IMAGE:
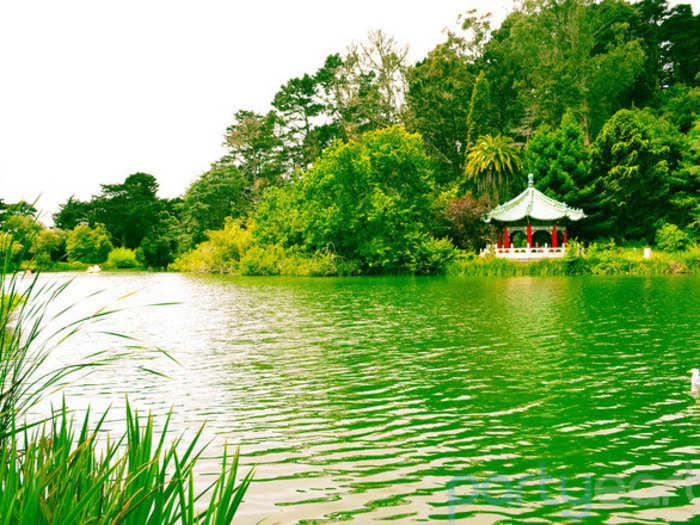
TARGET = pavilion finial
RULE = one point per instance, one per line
(530, 180)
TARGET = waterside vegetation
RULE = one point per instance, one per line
(595, 259)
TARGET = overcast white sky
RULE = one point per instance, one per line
(91, 91)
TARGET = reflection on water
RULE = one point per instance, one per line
(422, 399)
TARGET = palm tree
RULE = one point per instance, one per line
(491, 162)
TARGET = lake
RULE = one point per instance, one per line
(418, 399)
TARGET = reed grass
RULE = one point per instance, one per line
(54, 473)
(57, 474)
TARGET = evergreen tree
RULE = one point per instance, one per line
(559, 160)
(635, 164)
(479, 119)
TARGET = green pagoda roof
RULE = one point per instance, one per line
(533, 204)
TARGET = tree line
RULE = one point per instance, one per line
(385, 165)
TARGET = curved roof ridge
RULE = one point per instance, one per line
(534, 204)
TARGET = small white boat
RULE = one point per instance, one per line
(94, 269)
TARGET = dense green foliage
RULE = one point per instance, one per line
(560, 160)
(231, 250)
(216, 195)
(88, 245)
(122, 258)
(671, 238)
(368, 201)
(383, 163)
(133, 217)
(438, 100)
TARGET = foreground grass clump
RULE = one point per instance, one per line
(51, 473)
(59, 475)
(596, 259)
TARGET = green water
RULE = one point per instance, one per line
(419, 400)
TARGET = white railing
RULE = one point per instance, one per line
(545, 252)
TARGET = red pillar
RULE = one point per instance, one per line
(564, 236)
(499, 240)
(554, 236)
(507, 241)
(529, 235)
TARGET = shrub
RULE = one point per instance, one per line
(69, 266)
(275, 260)
(88, 245)
(691, 258)
(671, 238)
(465, 217)
(429, 255)
(220, 253)
(122, 258)
(262, 260)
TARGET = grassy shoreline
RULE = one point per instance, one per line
(595, 260)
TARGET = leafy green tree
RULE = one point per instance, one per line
(669, 37)
(88, 245)
(33, 241)
(491, 163)
(23, 229)
(298, 105)
(9, 210)
(129, 210)
(501, 60)
(551, 52)
(367, 200)
(679, 105)
(47, 247)
(73, 212)
(255, 145)
(685, 182)
(277, 218)
(671, 238)
(160, 246)
(217, 194)
(437, 105)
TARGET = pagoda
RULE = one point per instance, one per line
(527, 214)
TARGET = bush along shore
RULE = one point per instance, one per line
(53, 470)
